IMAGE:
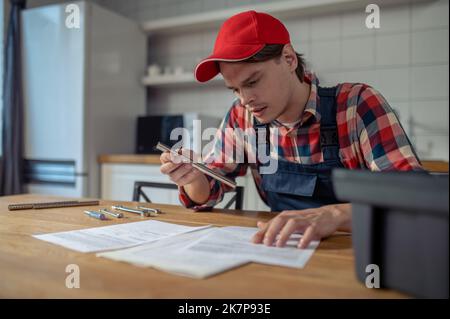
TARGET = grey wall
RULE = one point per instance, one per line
(406, 59)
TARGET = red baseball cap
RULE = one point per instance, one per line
(240, 37)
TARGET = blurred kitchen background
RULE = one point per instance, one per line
(406, 59)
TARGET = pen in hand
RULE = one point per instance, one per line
(201, 167)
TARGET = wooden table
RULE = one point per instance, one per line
(31, 268)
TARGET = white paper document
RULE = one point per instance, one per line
(116, 236)
(171, 255)
(236, 241)
(206, 252)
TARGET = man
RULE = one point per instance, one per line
(309, 131)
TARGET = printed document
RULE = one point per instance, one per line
(170, 255)
(207, 252)
(116, 236)
(236, 241)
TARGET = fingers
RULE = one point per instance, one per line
(164, 157)
(170, 162)
(177, 159)
(186, 174)
(261, 224)
(167, 156)
(182, 170)
(269, 230)
(314, 224)
(307, 237)
(293, 225)
(259, 236)
(169, 167)
(188, 177)
(274, 228)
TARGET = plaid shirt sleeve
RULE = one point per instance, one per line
(221, 161)
(383, 143)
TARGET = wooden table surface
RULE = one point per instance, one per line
(31, 268)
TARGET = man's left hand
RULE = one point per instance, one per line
(314, 223)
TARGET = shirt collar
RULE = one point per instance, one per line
(311, 105)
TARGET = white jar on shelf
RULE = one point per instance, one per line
(154, 70)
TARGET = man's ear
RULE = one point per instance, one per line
(290, 57)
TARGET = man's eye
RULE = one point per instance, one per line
(252, 83)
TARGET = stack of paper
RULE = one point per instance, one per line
(172, 255)
(116, 236)
(197, 252)
(210, 251)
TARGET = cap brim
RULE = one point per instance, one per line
(208, 68)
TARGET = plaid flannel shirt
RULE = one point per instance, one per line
(370, 137)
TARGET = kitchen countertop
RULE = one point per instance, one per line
(129, 159)
(432, 166)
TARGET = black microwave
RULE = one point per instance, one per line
(152, 129)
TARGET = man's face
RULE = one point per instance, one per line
(265, 88)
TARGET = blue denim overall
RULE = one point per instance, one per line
(297, 186)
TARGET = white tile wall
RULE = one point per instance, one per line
(364, 76)
(432, 117)
(358, 52)
(430, 81)
(326, 27)
(392, 49)
(331, 78)
(352, 22)
(431, 147)
(299, 30)
(393, 84)
(326, 54)
(430, 46)
(429, 15)
(403, 112)
(394, 19)
(406, 59)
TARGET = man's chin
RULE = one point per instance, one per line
(264, 119)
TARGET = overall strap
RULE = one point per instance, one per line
(259, 128)
(329, 138)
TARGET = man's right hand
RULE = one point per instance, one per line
(179, 172)
(184, 174)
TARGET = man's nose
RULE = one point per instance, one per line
(247, 98)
